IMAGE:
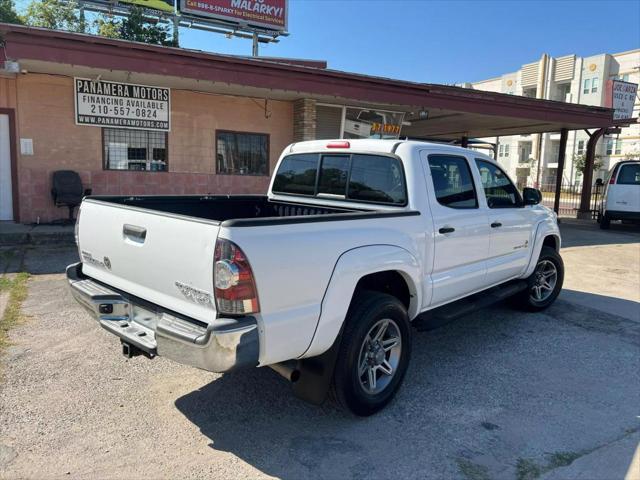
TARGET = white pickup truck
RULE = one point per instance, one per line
(322, 278)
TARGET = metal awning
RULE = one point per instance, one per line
(431, 111)
(450, 111)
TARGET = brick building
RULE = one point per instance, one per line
(139, 119)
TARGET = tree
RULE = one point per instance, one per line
(54, 14)
(8, 13)
(108, 27)
(579, 162)
(137, 28)
(63, 15)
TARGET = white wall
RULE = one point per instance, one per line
(603, 67)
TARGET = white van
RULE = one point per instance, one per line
(621, 199)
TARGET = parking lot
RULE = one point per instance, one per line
(499, 394)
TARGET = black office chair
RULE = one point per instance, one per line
(67, 190)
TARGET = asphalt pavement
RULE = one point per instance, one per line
(498, 394)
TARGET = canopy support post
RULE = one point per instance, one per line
(564, 133)
(587, 176)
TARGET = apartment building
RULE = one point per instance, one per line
(531, 158)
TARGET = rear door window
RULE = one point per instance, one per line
(452, 181)
(629, 174)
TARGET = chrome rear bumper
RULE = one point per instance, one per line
(224, 345)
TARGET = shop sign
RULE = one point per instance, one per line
(621, 97)
(268, 14)
(122, 105)
(385, 128)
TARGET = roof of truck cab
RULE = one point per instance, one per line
(372, 146)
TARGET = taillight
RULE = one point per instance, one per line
(234, 285)
(612, 180)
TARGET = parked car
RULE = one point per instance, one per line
(621, 197)
(322, 278)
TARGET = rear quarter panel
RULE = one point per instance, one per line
(293, 264)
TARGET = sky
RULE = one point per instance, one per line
(440, 41)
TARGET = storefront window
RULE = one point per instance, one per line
(239, 153)
(141, 150)
(361, 123)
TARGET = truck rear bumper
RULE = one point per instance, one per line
(226, 344)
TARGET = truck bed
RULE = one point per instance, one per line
(153, 247)
(243, 210)
(221, 208)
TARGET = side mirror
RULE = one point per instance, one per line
(599, 182)
(531, 196)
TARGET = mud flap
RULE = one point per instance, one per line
(316, 374)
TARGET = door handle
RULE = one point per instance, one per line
(496, 225)
(447, 230)
(135, 233)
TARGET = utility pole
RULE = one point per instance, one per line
(176, 31)
(254, 49)
(176, 25)
(83, 20)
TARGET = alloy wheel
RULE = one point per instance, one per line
(545, 278)
(379, 356)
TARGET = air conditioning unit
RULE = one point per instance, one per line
(10, 67)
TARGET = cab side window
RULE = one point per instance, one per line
(452, 181)
(498, 189)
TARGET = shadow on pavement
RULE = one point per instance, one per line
(481, 394)
(618, 307)
(576, 233)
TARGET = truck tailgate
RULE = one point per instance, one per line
(162, 258)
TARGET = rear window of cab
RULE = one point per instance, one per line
(355, 177)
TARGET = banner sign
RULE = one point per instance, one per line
(122, 105)
(621, 96)
(268, 14)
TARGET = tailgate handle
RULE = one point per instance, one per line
(135, 233)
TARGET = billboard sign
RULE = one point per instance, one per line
(621, 96)
(122, 105)
(267, 14)
(167, 6)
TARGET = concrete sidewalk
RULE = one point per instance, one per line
(20, 234)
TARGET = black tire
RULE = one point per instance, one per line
(366, 311)
(605, 222)
(526, 299)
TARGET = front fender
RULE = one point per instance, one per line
(547, 227)
(349, 269)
